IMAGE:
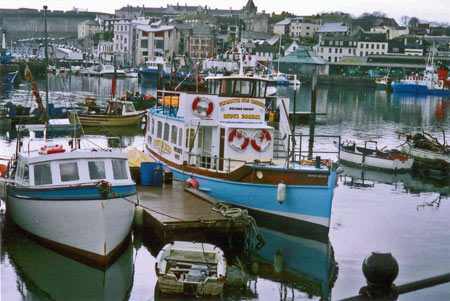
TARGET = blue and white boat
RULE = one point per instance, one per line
(220, 141)
(150, 71)
(433, 81)
(79, 201)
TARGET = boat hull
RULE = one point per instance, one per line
(9, 77)
(419, 89)
(298, 213)
(107, 120)
(425, 155)
(90, 229)
(375, 162)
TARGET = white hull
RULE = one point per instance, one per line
(375, 162)
(425, 155)
(93, 226)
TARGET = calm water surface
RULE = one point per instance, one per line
(405, 214)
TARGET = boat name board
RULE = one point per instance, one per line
(239, 110)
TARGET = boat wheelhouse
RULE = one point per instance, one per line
(220, 140)
(79, 201)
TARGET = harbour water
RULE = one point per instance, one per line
(405, 214)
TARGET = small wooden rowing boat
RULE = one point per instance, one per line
(372, 157)
(191, 268)
(117, 113)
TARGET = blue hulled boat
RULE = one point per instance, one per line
(220, 142)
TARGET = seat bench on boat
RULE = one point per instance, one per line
(190, 260)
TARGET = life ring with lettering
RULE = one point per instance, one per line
(238, 140)
(199, 80)
(261, 140)
(202, 106)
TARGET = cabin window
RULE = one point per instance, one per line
(69, 172)
(42, 174)
(243, 88)
(261, 89)
(153, 126)
(159, 130)
(26, 174)
(190, 138)
(199, 137)
(166, 131)
(19, 172)
(129, 108)
(174, 134)
(180, 137)
(119, 170)
(97, 170)
(227, 87)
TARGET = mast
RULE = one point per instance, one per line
(46, 64)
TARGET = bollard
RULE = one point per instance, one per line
(317, 161)
(380, 270)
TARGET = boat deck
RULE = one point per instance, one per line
(174, 213)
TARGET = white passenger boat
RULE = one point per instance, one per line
(372, 157)
(220, 141)
(80, 201)
(192, 268)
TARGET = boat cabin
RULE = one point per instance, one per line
(119, 107)
(221, 129)
(71, 168)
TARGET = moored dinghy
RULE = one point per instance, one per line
(389, 160)
(192, 268)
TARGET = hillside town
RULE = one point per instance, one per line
(370, 45)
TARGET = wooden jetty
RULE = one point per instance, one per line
(173, 213)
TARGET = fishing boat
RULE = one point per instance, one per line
(109, 71)
(117, 113)
(433, 81)
(78, 201)
(150, 71)
(191, 268)
(219, 141)
(383, 83)
(370, 156)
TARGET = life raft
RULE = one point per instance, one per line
(261, 140)
(51, 149)
(242, 135)
(199, 80)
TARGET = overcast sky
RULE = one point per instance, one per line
(427, 10)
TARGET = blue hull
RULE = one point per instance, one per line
(9, 78)
(305, 205)
(151, 74)
(420, 89)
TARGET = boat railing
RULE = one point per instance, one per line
(304, 149)
(214, 163)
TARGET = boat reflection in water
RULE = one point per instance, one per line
(296, 263)
(44, 274)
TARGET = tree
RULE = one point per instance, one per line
(405, 20)
(413, 22)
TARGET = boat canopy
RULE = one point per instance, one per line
(232, 86)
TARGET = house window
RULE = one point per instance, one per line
(144, 43)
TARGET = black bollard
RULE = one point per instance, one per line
(318, 162)
(380, 270)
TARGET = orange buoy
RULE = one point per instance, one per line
(192, 182)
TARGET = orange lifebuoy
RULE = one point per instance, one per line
(262, 135)
(195, 106)
(241, 134)
(198, 80)
(192, 182)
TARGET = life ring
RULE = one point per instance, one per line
(417, 82)
(199, 80)
(201, 110)
(242, 137)
(261, 140)
(52, 149)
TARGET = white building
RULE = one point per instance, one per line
(87, 29)
(333, 49)
(155, 40)
(371, 44)
(302, 27)
(391, 31)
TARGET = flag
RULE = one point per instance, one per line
(35, 91)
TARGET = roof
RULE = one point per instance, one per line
(284, 22)
(149, 28)
(332, 27)
(302, 55)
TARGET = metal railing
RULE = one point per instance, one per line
(297, 153)
(213, 163)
